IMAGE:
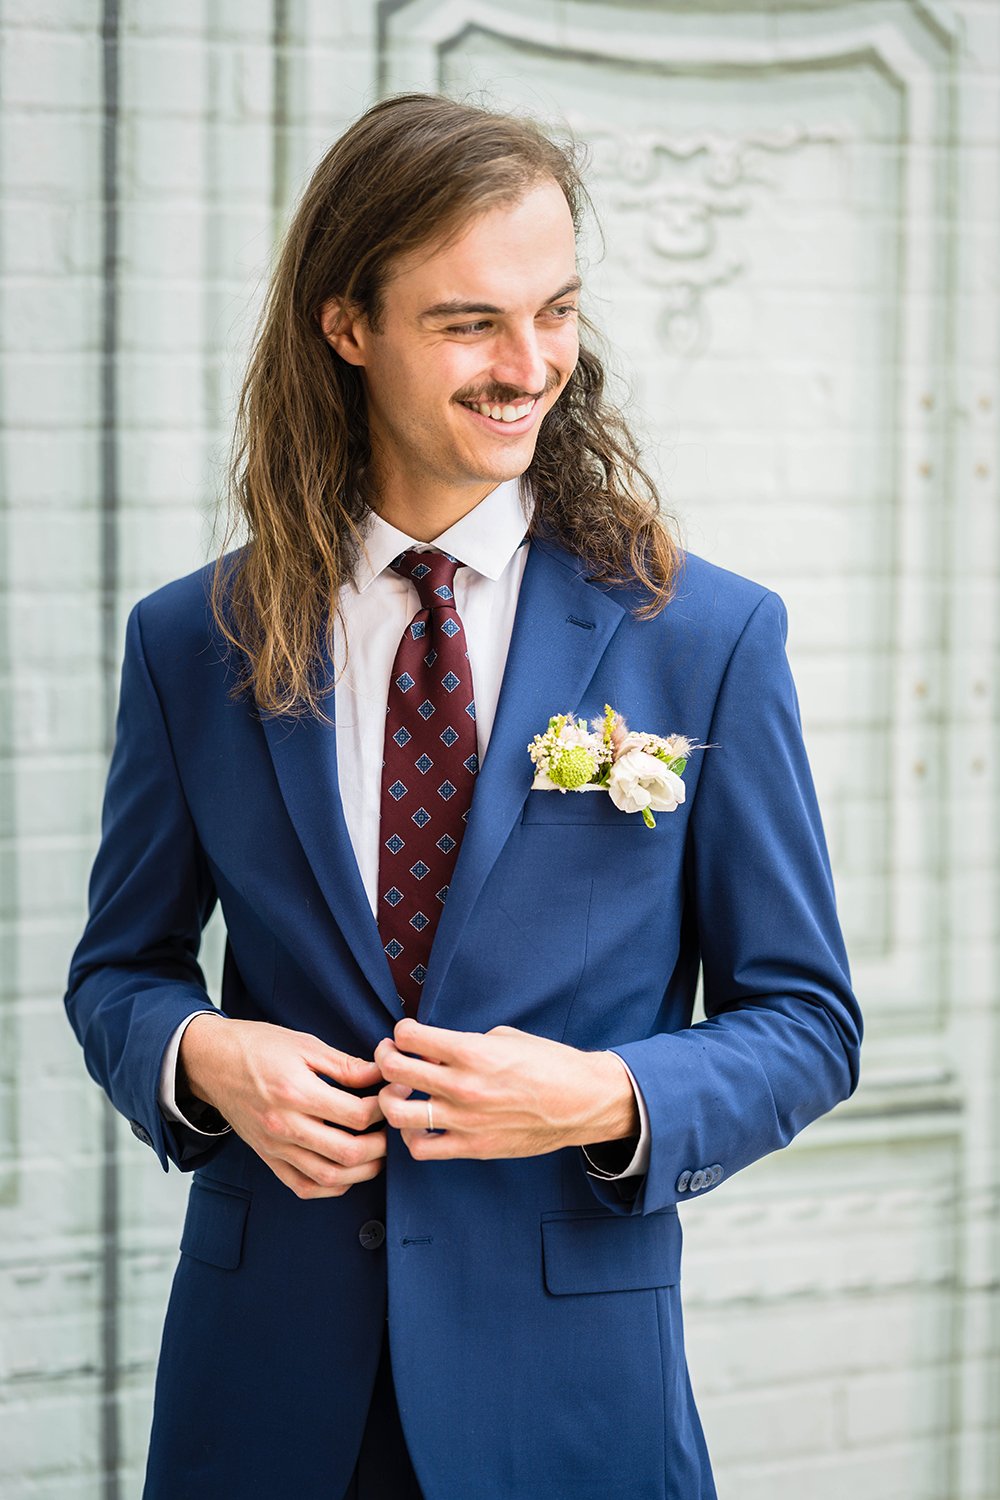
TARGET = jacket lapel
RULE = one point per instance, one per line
(304, 753)
(561, 629)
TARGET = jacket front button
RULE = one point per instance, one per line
(683, 1182)
(372, 1234)
(141, 1133)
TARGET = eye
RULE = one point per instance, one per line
(565, 308)
(467, 327)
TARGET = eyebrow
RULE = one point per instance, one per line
(457, 308)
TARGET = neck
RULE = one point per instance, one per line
(424, 513)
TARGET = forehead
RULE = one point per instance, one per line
(508, 255)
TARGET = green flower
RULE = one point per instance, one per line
(572, 768)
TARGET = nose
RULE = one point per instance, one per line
(518, 361)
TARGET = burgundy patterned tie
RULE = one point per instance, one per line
(428, 772)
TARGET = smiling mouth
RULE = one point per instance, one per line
(508, 412)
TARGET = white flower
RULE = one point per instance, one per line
(641, 781)
(675, 745)
(632, 741)
(578, 734)
(544, 783)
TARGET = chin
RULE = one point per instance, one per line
(499, 473)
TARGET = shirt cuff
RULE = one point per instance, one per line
(639, 1164)
(168, 1083)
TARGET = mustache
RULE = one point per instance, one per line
(507, 395)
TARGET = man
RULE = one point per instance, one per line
(440, 1131)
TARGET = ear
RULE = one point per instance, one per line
(345, 329)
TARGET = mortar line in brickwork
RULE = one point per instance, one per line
(280, 42)
(110, 1432)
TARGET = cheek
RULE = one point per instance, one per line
(564, 351)
(406, 393)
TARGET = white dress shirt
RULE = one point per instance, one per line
(377, 604)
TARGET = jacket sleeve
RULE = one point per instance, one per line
(134, 976)
(780, 1041)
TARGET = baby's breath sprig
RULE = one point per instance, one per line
(567, 756)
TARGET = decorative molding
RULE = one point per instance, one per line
(679, 250)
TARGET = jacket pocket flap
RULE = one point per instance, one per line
(214, 1224)
(610, 1253)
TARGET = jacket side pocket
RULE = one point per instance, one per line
(609, 1252)
(215, 1222)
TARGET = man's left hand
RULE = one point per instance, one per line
(500, 1094)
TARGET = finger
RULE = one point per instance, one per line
(435, 1042)
(328, 1174)
(338, 1146)
(324, 1101)
(292, 1178)
(414, 1072)
(352, 1072)
(424, 1147)
(411, 1114)
(310, 1177)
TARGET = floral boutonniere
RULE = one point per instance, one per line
(642, 772)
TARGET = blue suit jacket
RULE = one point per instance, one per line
(534, 1311)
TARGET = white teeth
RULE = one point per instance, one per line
(502, 413)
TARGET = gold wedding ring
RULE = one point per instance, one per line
(430, 1116)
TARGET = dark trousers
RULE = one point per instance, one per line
(383, 1471)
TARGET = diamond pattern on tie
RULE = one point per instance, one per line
(422, 814)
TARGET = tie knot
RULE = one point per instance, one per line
(433, 573)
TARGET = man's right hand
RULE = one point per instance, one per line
(268, 1083)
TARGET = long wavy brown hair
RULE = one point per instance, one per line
(411, 172)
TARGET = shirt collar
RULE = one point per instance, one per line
(486, 538)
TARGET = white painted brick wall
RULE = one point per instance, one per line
(834, 434)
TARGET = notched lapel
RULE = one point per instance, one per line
(304, 753)
(562, 628)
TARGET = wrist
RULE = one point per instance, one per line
(616, 1111)
(197, 1061)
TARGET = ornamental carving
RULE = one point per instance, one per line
(681, 190)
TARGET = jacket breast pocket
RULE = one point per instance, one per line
(215, 1223)
(586, 809)
(584, 1252)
